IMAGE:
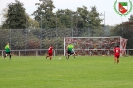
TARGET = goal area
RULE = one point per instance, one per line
(95, 45)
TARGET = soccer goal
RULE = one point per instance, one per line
(95, 45)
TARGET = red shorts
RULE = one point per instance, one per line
(116, 55)
(49, 53)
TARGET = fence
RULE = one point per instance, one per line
(28, 42)
(40, 52)
(40, 38)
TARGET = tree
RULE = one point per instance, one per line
(83, 17)
(31, 23)
(89, 20)
(44, 14)
(64, 18)
(124, 30)
(4, 15)
(16, 18)
(81, 20)
(131, 18)
(95, 22)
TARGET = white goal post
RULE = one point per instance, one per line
(95, 45)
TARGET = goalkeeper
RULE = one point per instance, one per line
(8, 52)
(70, 50)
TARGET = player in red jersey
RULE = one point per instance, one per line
(116, 54)
(50, 52)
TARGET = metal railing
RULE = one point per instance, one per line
(57, 52)
(33, 52)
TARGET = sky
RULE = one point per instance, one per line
(105, 7)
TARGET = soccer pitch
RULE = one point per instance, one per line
(79, 72)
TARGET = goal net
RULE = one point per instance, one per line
(95, 45)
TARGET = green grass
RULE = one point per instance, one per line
(79, 72)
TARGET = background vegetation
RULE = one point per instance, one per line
(48, 27)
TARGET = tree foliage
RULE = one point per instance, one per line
(55, 26)
(16, 18)
(4, 15)
(82, 18)
(31, 23)
(125, 30)
(65, 18)
(44, 14)
(131, 18)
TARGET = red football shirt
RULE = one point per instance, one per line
(50, 50)
(116, 51)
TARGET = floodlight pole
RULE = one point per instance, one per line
(104, 18)
(122, 29)
(56, 34)
(10, 37)
(103, 14)
(72, 23)
(26, 34)
(88, 31)
(41, 37)
(104, 23)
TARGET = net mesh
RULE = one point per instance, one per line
(94, 45)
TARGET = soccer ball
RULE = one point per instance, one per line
(59, 58)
